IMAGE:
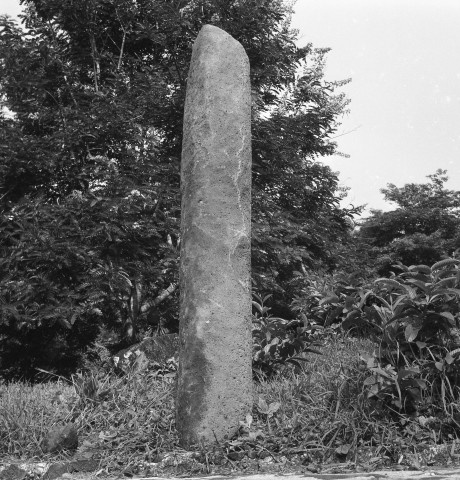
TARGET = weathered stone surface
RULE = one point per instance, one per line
(215, 381)
(155, 349)
(61, 438)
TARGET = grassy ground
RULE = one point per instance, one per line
(303, 420)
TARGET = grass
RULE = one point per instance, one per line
(25, 414)
(318, 415)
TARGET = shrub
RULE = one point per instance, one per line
(415, 316)
(337, 301)
(278, 342)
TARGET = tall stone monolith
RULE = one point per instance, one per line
(214, 390)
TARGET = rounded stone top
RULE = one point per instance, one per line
(215, 36)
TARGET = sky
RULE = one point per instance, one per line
(403, 57)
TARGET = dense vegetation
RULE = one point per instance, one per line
(92, 98)
(424, 227)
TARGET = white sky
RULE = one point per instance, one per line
(404, 60)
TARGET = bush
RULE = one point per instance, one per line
(415, 317)
(337, 301)
(56, 349)
(278, 342)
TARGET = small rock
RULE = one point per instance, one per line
(312, 468)
(61, 438)
(13, 472)
(56, 470)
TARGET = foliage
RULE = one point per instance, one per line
(62, 278)
(278, 342)
(424, 228)
(337, 300)
(131, 414)
(311, 419)
(115, 416)
(291, 190)
(414, 317)
(420, 340)
(92, 96)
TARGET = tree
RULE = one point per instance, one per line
(423, 229)
(95, 91)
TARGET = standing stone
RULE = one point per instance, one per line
(215, 377)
